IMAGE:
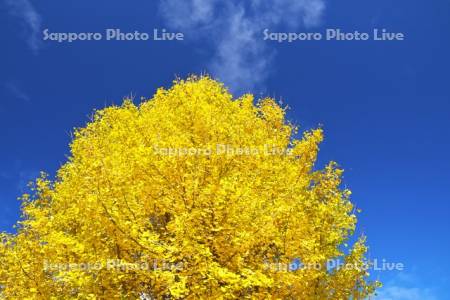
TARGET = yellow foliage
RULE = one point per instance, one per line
(189, 195)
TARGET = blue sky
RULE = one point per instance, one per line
(385, 106)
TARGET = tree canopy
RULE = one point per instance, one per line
(189, 195)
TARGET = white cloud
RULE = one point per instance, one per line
(234, 30)
(31, 21)
(189, 14)
(16, 91)
(405, 293)
(405, 286)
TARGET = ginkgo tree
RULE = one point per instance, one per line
(189, 195)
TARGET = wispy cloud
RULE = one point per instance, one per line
(30, 19)
(24, 178)
(406, 286)
(4, 175)
(18, 175)
(14, 89)
(234, 31)
(405, 293)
